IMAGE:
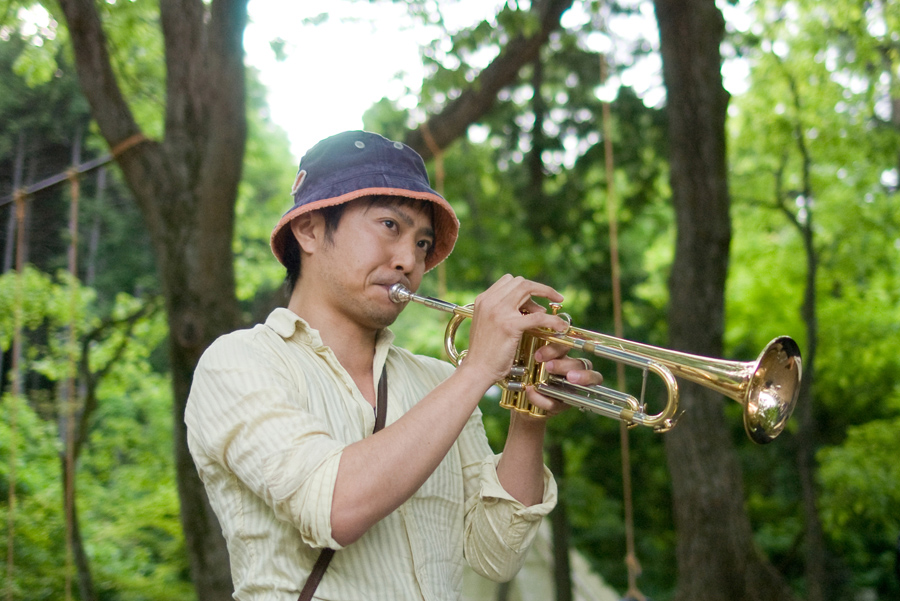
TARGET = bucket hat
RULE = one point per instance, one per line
(356, 164)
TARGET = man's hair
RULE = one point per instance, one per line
(332, 216)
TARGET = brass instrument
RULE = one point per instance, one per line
(767, 388)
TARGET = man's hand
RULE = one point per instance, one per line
(576, 371)
(502, 314)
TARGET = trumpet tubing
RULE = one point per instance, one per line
(767, 388)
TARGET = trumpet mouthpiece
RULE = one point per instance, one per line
(399, 293)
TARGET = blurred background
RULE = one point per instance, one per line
(699, 175)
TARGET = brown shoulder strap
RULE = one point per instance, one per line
(325, 556)
(381, 401)
(316, 575)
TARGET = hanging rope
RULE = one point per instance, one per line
(438, 154)
(631, 561)
(69, 400)
(18, 318)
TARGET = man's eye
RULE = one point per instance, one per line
(389, 223)
(426, 244)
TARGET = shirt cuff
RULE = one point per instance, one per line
(492, 489)
(511, 522)
(308, 505)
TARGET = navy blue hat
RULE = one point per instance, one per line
(355, 164)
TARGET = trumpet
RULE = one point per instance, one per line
(767, 388)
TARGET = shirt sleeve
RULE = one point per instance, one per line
(247, 420)
(499, 529)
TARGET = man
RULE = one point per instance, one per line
(280, 417)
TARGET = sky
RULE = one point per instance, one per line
(336, 69)
(336, 65)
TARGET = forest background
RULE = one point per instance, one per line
(806, 210)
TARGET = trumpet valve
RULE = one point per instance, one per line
(518, 372)
(514, 399)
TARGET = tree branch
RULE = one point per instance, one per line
(108, 106)
(780, 195)
(93, 378)
(95, 72)
(471, 105)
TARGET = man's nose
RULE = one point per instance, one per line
(405, 257)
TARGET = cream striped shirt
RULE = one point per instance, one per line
(269, 414)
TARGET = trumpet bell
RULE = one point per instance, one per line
(773, 390)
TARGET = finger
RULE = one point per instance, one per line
(533, 321)
(551, 406)
(521, 289)
(563, 365)
(585, 377)
(576, 370)
(549, 352)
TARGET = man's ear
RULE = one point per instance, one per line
(309, 230)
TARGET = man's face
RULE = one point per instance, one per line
(375, 246)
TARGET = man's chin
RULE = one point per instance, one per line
(385, 319)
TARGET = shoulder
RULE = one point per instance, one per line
(242, 364)
(238, 347)
(261, 343)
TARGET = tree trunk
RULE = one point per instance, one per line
(82, 565)
(815, 553)
(559, 522)
(535, 198)
(717, 559)
(185, 186)
(816, 572)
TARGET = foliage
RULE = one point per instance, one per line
(813, 144)
(47, 120)
(133, 34)
(127, 495)
(263, 196)
(130, 508)
(19, 99)
(38, 511)
(801, 81)
(861, 492)
(127, 504)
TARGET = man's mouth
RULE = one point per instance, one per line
(387, 285)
